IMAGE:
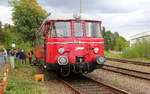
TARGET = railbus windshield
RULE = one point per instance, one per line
(78, 30)
(61, 29)
(93, 30)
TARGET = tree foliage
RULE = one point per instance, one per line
(1, 33)
(0, 25)
(3, 29)
(113, 41)
(10, 38)
(120, 43)
(27, 17)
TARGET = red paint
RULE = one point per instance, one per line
(70, 49)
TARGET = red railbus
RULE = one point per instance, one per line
(70, 43)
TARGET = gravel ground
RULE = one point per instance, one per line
(54, 86)
(133, 85)
(129, 66)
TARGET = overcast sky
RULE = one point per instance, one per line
(127, 17)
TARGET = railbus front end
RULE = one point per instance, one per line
(70, 45)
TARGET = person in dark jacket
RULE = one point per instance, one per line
(22, 56)
(17, 54)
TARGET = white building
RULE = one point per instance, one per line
(135, 38)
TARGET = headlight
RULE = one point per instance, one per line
(96, 50)
(61, 50)
(62, 60)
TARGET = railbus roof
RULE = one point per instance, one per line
(71, 16)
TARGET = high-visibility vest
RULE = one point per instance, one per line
(29, 55)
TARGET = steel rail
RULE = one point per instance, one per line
(96, 84)
(129, 61)
(76, 91)
(100, 85)
(129, 72)
(110, 86)
(46, 73)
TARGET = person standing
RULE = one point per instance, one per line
(12, 54)
(22, 56)
(30, 53)
(18, 54)
(5, 55)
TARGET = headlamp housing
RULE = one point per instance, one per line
(61, 50)
(62, 60)
(96, 50)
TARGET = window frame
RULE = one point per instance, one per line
(82, 26)
(99, 24)
(51, 30)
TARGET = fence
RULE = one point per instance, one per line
(1, 61)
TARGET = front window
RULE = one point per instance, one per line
(61, 29)
(93, 30)
(78, 31)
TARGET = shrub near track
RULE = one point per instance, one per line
(138, 50)
(21, 80)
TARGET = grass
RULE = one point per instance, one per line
(3, 70)
(21, 80)
(141, 59)
(115, 81)
(111, 55)
(120, 56)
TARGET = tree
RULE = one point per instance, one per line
(27, 17)
(6, 26)
(109, 40)
(121, 44)
(0, 26)
(113, 41)
(1, 33)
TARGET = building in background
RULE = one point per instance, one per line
(135, 38)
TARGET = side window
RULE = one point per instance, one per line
(48, 26)
(40, 38)
(78, 30)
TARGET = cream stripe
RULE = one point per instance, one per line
(74, 42)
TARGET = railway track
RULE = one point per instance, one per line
(84, 85)
(81, 84)
(129, 61)
(129, 72)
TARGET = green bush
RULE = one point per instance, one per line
(25, 46)
(138, 50)
(14, 37)
(9, 39)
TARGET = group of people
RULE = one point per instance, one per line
(20, 55)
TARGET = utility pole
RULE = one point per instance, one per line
(81, 2)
